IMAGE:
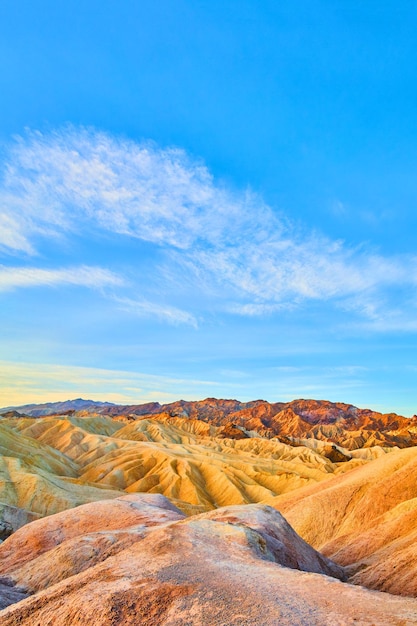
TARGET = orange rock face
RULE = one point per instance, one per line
(337, 422)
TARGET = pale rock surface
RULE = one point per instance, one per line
(221, 568)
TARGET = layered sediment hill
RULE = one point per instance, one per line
(52, 463)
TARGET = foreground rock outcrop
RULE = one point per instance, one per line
(138, 560)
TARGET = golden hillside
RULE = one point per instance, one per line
(52, 463)
(366, 520)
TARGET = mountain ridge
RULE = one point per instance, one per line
(53, 408)
(292, 422)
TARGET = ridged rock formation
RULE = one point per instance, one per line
(340, 423)
(39, 478)
(235, 566)
(53, 463)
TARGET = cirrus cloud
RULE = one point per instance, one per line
(220, 242)
(84, 276)
(60, 181)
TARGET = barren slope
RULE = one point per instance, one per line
(366, 519)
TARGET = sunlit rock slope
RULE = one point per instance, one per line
(366, 520)
(53, 463)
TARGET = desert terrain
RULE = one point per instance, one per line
(210, 512)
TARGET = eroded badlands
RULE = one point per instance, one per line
(93, 539)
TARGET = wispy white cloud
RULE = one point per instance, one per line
(256, 309)
(59, 181)
(84, 276)
(395, 312)
(219, 242)
(291, 270)
(144, 308)
(12, 235)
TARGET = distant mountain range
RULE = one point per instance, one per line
(292, 422)
(53, 408)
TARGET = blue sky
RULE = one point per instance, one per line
(208, 199)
